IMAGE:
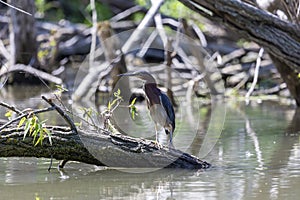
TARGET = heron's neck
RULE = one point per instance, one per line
(152, 93)
(150, 84)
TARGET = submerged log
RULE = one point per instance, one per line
(102, 149)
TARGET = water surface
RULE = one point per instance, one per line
(256, 157)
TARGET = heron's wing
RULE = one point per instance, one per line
(165, 101)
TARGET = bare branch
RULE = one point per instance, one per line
(256, 73)
(13, 108)
(62, 113)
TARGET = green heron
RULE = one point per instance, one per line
(159, 105)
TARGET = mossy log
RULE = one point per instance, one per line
(97, 148)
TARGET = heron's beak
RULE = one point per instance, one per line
(127, 74)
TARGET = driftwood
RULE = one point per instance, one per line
(97, 147)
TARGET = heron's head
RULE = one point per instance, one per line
(142, 74)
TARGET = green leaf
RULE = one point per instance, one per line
(132, 102)
(34, 134)
(78, 124)
(8, 114)
(40, 140)
(34, 125)
(109, 106)
(61, 88)
(133, 112)
(21, 122)
(27, 127)
(114, 102)
(117, 93)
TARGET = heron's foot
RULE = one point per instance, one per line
(159, 146)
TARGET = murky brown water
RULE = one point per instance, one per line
(257, 156)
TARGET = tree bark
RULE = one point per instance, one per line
(102, 149)
(22, 30)
(23, 44)
(280, 38)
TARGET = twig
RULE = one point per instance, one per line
(62, 113)
(18, 9)
(13, 108)
(256, 73)
(25, 115)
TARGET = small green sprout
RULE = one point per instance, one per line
(133, 110)
(60, 89)
(8, 114)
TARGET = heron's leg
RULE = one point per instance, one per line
(156, 137)
(171, 140)
(156, 133)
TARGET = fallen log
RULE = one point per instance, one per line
(102, 149)
(97, 146)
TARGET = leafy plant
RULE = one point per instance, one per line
(111, 106)
(88, 113)
(35, 128)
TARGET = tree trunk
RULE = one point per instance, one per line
(23, 43)
(22, 30)
(100, 149)
(280, 38)
(289, 76)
